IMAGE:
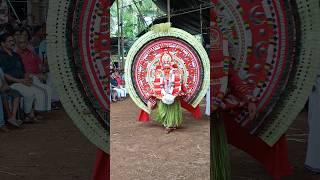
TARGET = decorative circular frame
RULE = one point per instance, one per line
(272, 46)
(173, 33)
(81, 78)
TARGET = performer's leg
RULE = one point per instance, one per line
(169, 115)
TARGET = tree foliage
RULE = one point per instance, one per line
(133, 21)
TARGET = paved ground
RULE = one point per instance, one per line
(51, 150)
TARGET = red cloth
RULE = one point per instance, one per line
(274, 159)
(30, 60)
(196, 112)
(102, 166)
(143, 116)
(119, 80)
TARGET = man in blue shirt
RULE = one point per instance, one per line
(12, 66)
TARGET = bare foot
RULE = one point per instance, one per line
(169, 130)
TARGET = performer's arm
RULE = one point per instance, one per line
(152, 101)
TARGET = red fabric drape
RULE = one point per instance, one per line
(274, 159)
(102, 166)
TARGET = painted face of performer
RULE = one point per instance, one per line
(166, 60)
(167, 70)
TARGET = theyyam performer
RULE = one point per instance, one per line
(166, 69)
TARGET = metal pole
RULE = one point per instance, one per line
(168, 10)
(140, 14)
(122, 38)
(14, 11)
(119, 29)
(201, 24)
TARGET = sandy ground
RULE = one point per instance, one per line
(51, 150)
(55, 150)
(143, 151)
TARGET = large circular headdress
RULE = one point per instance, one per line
(186, 53)
(78, 55)
(265, 58)
(271, 58)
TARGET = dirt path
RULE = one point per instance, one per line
(51, 150)
(142, 151)
(55, 150)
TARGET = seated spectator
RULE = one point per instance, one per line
(25, 34)
(30, 60)
(18, 79)
(32, 64)
(8, 94)
(113, 95)
(120, 82)
(114, 86)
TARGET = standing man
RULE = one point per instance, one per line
(313, 151)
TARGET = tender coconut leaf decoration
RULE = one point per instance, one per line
(270, 59)
(78, 55)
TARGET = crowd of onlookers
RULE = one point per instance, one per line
(118, 91)
(26, 88)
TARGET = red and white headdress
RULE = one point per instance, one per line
(166, 60)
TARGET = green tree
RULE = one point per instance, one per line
(133, 22)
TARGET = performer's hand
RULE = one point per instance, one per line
(252, 111)
(149, 105)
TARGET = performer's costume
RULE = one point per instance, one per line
(260, 79)
(167, 69)
(166, 92)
